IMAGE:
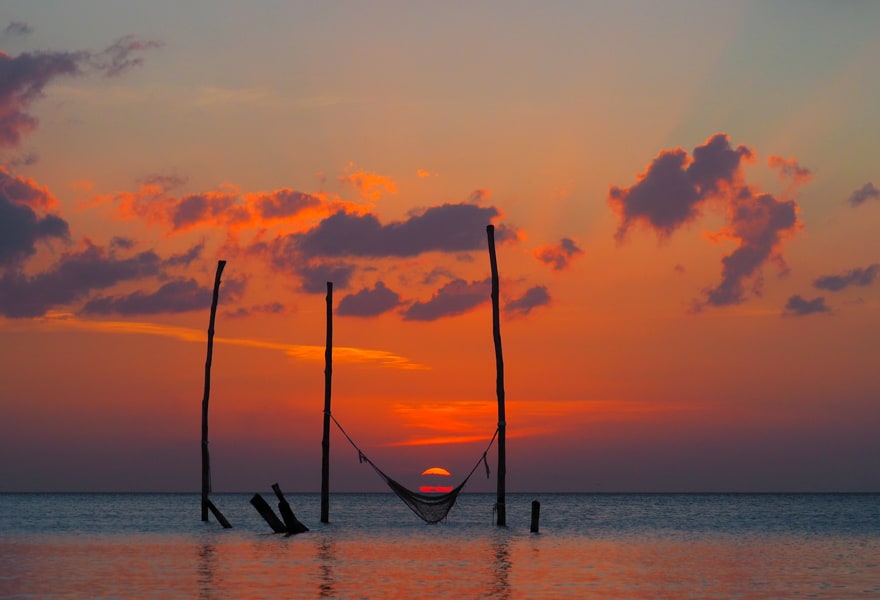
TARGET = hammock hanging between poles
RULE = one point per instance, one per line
(431, 508)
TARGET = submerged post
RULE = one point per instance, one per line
(206, 459)
(325, 442)
(499, 382)
(536, 516)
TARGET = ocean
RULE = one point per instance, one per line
(588, 546)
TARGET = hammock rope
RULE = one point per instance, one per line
(431, 508)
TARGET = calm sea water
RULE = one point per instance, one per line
(589, 546)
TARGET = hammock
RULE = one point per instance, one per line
(431, 508)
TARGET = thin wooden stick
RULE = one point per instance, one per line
(499, 384)
(206, 458)
(325, 442)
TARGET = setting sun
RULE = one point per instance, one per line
(436, 471)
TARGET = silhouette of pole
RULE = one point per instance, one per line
(499, 383)
(325, 442)
(206, 458)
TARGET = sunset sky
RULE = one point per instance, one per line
(686, 201)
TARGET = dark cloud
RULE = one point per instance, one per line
(800, 307)
(854, 277)
(186, 258)
(174, 296)
(315, 276)
(863, 194)
(759, 223)
(284, 203)
(454, 298)
(23, 78)
(674, 189)
(446, 228)
(558, 257)
(72, 278)
(121, 55)
(369, 302)
(18, 28)
(178, 295)
(122, 243)
(272, 308)
(195, 208)
(533, 298)
(668, 194)
(21, 228)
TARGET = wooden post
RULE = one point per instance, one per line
(325, 442)
(536, 516)
(292, 524)
(219, 515)
(499, 383)
(268, 514)
(206, 459)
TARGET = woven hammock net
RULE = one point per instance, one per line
(431, 508)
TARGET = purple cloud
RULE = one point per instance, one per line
(23, 78)
(185, 258)
(533, 298)
(272, 308)
(72, 278)
(854, 277)
(454, 298)
(558, 257)
(800, 307)
(175, 296)
(674, 189)
(863, 194)
(21, 228)
(178, 295)
(315, 276)
(446, 228)
(669, 193)
(194, 208)
(760, 223)
(120, 56)
(284, 203)
(369, 302)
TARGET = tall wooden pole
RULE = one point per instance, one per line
(499, 383)
(206, 459)
(325, 442)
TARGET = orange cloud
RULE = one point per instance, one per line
(342, 354)
(25, 191)
(558, 257)
(370, 185)
(790, 169)
(225, 207)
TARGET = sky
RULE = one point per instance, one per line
(685, 198)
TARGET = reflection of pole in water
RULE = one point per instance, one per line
(326, 557)
(501, 568)
(207, 564)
